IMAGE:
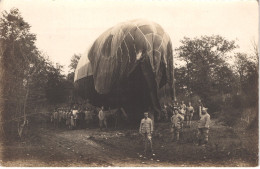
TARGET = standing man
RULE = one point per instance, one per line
(146, 129)
(56, 118)
(165, 112)
(68, 114)
(176, 126)
(189, 114)
(74, 116)
(203, 127)
(102, 118)
(183, 105)
(175, 105)
(200, 104)
(77, 118)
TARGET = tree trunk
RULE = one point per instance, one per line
(21, 127)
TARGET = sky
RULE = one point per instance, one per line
(67, 27)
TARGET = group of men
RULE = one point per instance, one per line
(181, 117)
(75, 117)
(80, 116)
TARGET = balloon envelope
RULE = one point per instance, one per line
(113, 61)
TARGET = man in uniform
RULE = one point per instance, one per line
(176, 126)
(56, 117)
(102, 118)
(189, 114)
(165, 112)
(176, 105)
(203, 127)
(146, 129)
(74, 117)
(183, 105)
(200, 106)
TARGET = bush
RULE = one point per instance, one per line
(214, 103)
(230, 115)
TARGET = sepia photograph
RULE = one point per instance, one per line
(134, 83)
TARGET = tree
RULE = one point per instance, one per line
(25, 74)
(225, 80)
(74, 62)
(70, 77)
(57, 87)
(247, 71)
(181, 83)
(18, 63)
(205, 60)
(73, 65)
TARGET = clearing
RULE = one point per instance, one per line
(47, 146)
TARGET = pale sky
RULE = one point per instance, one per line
(65, 27)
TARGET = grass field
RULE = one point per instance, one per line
(47, 146)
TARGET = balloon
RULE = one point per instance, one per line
(126, 66)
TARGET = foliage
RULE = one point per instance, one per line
(73, 65)
(208, 75)
(57, 87)
(70, 77)
(205, 63)
(247, 71)
(74, 62)
(27, 77)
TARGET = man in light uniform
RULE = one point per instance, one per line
(75, 116)
(56, 118)
(176, 126)
(102, 118)
(146, 129)
(183, 105)
(189, 114)
(200, 104)
(203, 127)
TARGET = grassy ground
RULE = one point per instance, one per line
(47, 146)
